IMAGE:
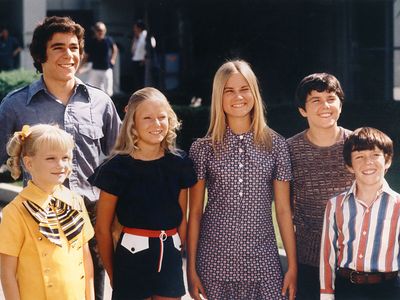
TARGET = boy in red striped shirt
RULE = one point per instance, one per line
(360, 239)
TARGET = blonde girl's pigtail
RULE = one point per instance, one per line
(14, 150)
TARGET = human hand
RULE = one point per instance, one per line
(195, 287)
(290, 284)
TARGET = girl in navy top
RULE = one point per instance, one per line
(144, 184)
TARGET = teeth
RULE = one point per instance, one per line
(368, 172)
(325, 115)
(156, 132)
(238, 105)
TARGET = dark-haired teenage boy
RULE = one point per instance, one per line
(58, 97)
(360, 240)
(319, 171)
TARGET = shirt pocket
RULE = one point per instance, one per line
(177, 241)
(135, 243)
(90, 131)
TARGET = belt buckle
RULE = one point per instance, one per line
(353, 273)
(163, 235)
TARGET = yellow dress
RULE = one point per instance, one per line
(44, 270)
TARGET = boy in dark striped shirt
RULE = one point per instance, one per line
(319, 171)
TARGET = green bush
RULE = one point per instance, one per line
(11, 80)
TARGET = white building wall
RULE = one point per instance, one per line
(33, 11)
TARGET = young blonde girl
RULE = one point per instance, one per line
(145, 185)
(45, 230)
(232, 252)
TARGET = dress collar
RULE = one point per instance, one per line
(33, 193)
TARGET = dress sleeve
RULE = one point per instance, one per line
(198, 154)
(283, 166)
(107, 176)
(188, 175)
(11, 231)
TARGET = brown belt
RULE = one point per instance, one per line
(356, 277)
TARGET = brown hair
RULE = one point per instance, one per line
(319, 82)
(367, 138)
(45, 31)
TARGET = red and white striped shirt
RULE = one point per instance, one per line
(359, 237)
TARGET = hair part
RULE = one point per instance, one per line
(367, 138)
(127, 140)
(218, 120)
(320, 82)
(44, 32)
(42, 136)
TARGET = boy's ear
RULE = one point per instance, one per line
(351, 170)
(303, 112)
(388, 164)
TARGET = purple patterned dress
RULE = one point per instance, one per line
(237, 256)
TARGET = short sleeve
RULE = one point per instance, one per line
(88, 231)
(283, 167)
(11, 231)
(199, 154)
(107, 176)
(188, 175)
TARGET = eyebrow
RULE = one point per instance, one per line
(62, 44)
(231, 88)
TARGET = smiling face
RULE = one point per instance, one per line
(369, 167)
(237, 99)
(49, 167)
(151, 123)
(63, 58)
(322, 109)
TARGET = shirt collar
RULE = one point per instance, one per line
(40, 85)
(385, 189)
(33, 193)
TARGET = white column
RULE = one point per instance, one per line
(33, 12)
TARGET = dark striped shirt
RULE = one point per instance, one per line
(319, 173)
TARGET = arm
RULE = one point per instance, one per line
(8, 120)
(114, 54)
(284, 218)
(327, 264)
(9, 282)
(182, 229)
(196, 204)
(105, 217)
(88, 265)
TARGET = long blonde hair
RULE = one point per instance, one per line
(218, 122)
(28, 141)
(127, 140)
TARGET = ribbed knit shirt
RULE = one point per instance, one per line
(319, 173)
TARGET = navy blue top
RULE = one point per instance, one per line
(147, 191)
(100, 52)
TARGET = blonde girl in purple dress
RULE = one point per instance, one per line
(232, 251)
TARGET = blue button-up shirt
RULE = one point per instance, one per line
(89, 116)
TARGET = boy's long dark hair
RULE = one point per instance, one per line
(45, 31)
